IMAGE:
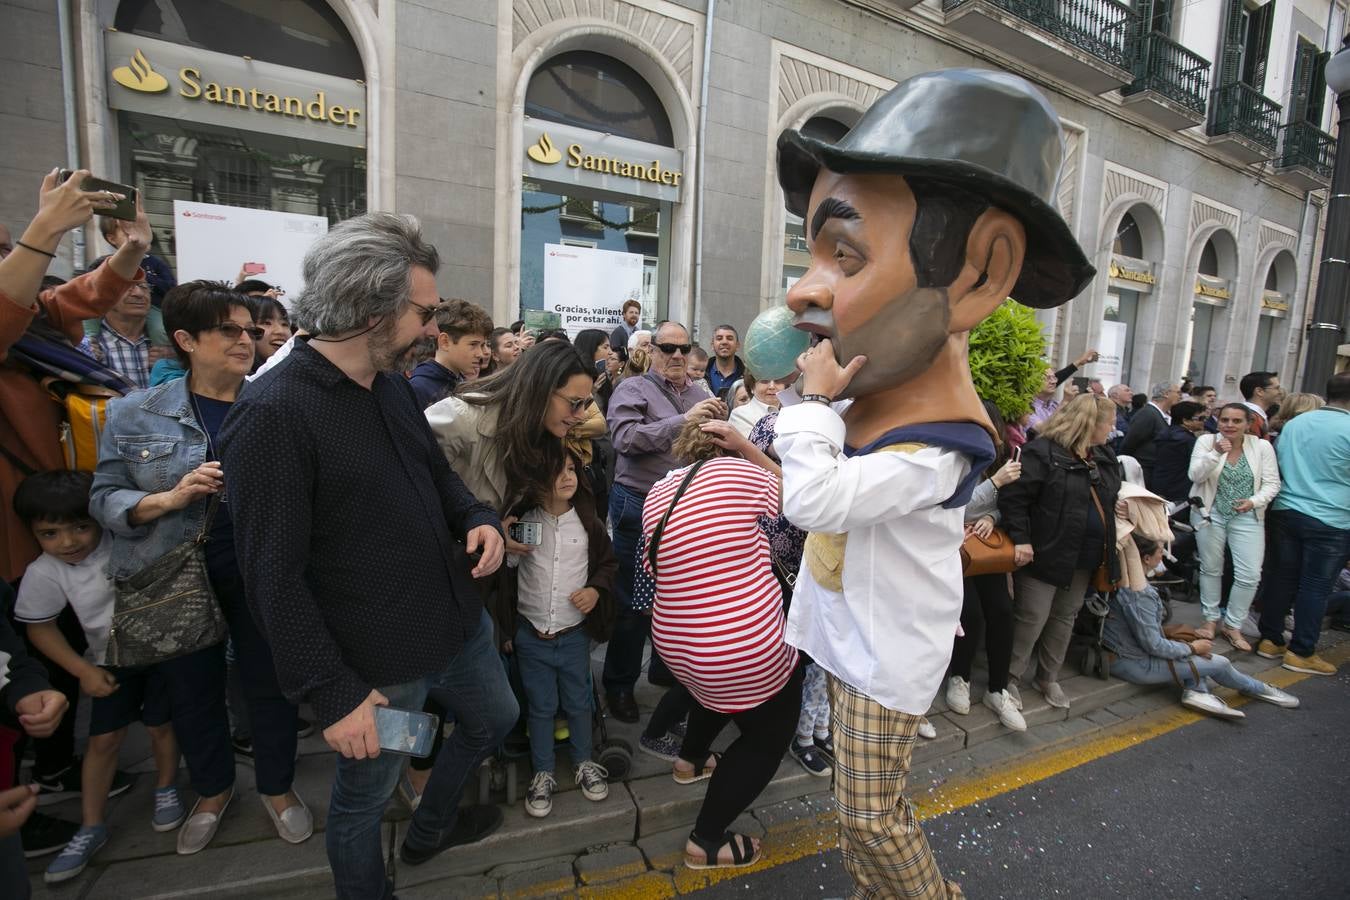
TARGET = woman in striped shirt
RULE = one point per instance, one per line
(718, 624)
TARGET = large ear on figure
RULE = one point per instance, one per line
(994, 252)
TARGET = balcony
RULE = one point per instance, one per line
(1082, 42)
(1246, 125)
(1171, 84)
(1306, 156)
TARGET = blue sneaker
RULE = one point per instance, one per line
(169, 810)
(666, 747)
(82, 847)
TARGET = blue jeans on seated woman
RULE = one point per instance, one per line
(553, 669)
(1155, 670)
(473, 686)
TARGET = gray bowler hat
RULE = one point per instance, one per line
(990, 133)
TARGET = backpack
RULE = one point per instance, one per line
(81, 384)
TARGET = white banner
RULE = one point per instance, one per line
(216, 242)
(588, 287)
(1111, 347)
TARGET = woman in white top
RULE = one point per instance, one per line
(763, 400)
(1235, 475)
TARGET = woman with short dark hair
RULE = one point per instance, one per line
(156, 486)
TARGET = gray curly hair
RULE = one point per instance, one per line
(361, 269)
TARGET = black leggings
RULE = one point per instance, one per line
(986, 603)
(751, 760)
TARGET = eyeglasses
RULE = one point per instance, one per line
(575, 404)
(669, 349)
(426, 312)
(230, 331)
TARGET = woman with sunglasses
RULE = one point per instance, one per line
(156, 486)
(1060, 516)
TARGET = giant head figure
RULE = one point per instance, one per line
(936, 207)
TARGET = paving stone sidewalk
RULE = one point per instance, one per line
(630, 845)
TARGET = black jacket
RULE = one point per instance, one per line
(1171, 478)
(1141, 437)
(1048, 508)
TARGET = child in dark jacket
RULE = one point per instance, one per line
(564, 596)
(1144, 655)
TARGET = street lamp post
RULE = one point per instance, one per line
(1328, 327)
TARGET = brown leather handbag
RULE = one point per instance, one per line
(987, 556)
(1102, 582)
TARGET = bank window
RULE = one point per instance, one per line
(233, 179)
(303, 34)
(595, 91)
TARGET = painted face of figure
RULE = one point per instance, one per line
(860, 290)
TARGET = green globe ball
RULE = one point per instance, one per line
(772, 345)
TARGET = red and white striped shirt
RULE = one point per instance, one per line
(718, 618)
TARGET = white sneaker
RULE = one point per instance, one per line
(1015, 694)
(590, 777)
(1205, 702)
(1003, 707)
(926, 730)
(958, 695)
(1274, 695)
(539, 797)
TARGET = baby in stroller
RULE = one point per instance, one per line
(1142, 654)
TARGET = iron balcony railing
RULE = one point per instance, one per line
(1098, 27)
(1241, 109)
(1309, 146)
(1165, 67)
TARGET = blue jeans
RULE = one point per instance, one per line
(1309, 554)
(623, 656)
(1155, 670)
(550, 670)
(1245, 538)
(13, 869)
(473, 686)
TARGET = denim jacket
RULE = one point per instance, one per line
(150, 441)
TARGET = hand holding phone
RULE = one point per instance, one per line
(410, 732)
(528, 533)
(117, 201)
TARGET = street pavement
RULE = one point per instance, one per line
(1254, 809)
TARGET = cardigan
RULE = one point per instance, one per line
(1207, 463)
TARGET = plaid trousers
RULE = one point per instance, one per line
(884, 848)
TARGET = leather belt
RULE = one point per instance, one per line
(557, 634)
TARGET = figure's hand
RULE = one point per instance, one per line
(1009, 472)
(821, 374)
(725, 435)
(706, 411)
(585, 599)
(203, 481)
(41, 711)
(98, 682)
(982, 527)
(1243, 506)
(514, 547)
(1022, 554)
(489, 541)
(1202, 647)
(16, 805)
(354, 735)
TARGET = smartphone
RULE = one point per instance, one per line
(255, 268)
(407, 731)
(125, 208)
(1017, 454)
(531, 533)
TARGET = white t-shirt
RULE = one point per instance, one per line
(49, 584)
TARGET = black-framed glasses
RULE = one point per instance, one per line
(575, 404)
(426, 312)
(231, 331)
(669, 349)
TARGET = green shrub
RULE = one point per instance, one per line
(1007, 359)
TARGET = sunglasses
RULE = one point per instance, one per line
(230, 331)
(427, 313)
(576, 404)
(669, 349)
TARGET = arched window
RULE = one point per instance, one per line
(595, 91)
(1209, 259)
(1128, 241)
(302, 34)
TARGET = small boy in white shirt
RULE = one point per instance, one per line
(73, 570)
(565, 594)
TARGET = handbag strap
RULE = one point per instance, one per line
(661, 525)
(1102, 515)
(211, 506)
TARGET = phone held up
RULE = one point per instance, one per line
(125, 208)
(406, 731)
(531, 533)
